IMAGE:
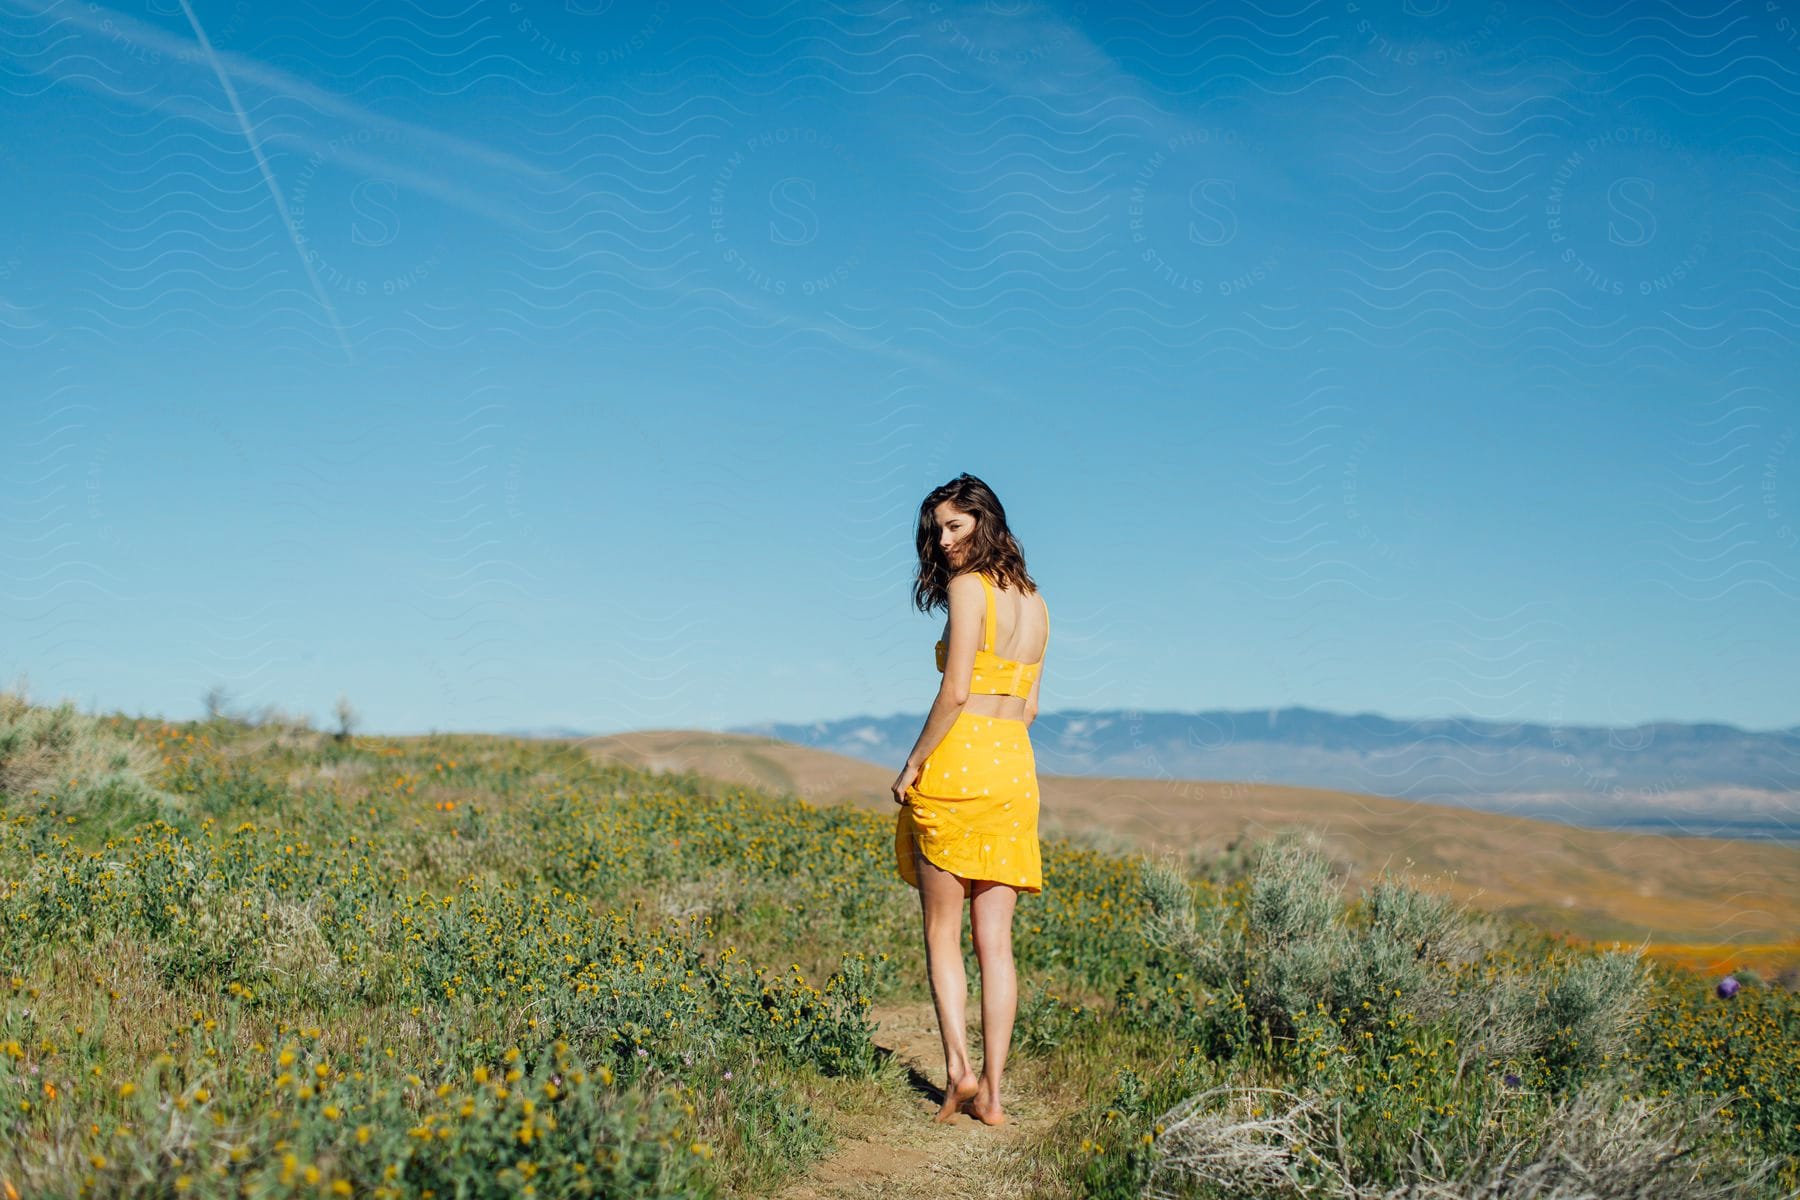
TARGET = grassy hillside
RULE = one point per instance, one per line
(1713, 903)
(261, 961)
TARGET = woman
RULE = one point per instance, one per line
(968, 823)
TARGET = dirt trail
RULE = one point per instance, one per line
(915, 1157)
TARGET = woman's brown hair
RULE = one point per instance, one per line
(992, 547)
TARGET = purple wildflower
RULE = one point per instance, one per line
(1511, 1080)
(1728, 987)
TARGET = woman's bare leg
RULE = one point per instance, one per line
(941, 904)
(991, 919)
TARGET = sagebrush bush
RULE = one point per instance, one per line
(1398, 952)
(95, 775)
(1405, 988)
(1404, 943)
(1596, 1143)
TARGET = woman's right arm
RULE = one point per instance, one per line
(968, 608)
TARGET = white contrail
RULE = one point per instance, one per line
(120, 24)
(269, 178)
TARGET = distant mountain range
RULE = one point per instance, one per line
(1694, 780)
(1707, 778)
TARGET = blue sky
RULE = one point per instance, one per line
(584, 363)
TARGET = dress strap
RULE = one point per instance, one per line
(987, 592)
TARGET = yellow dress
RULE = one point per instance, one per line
(973, 811)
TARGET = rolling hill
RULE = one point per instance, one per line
(1695, 891)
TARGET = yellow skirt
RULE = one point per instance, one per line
(973, 811)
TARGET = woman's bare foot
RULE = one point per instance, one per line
(959, 1093)
(988, 1112)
